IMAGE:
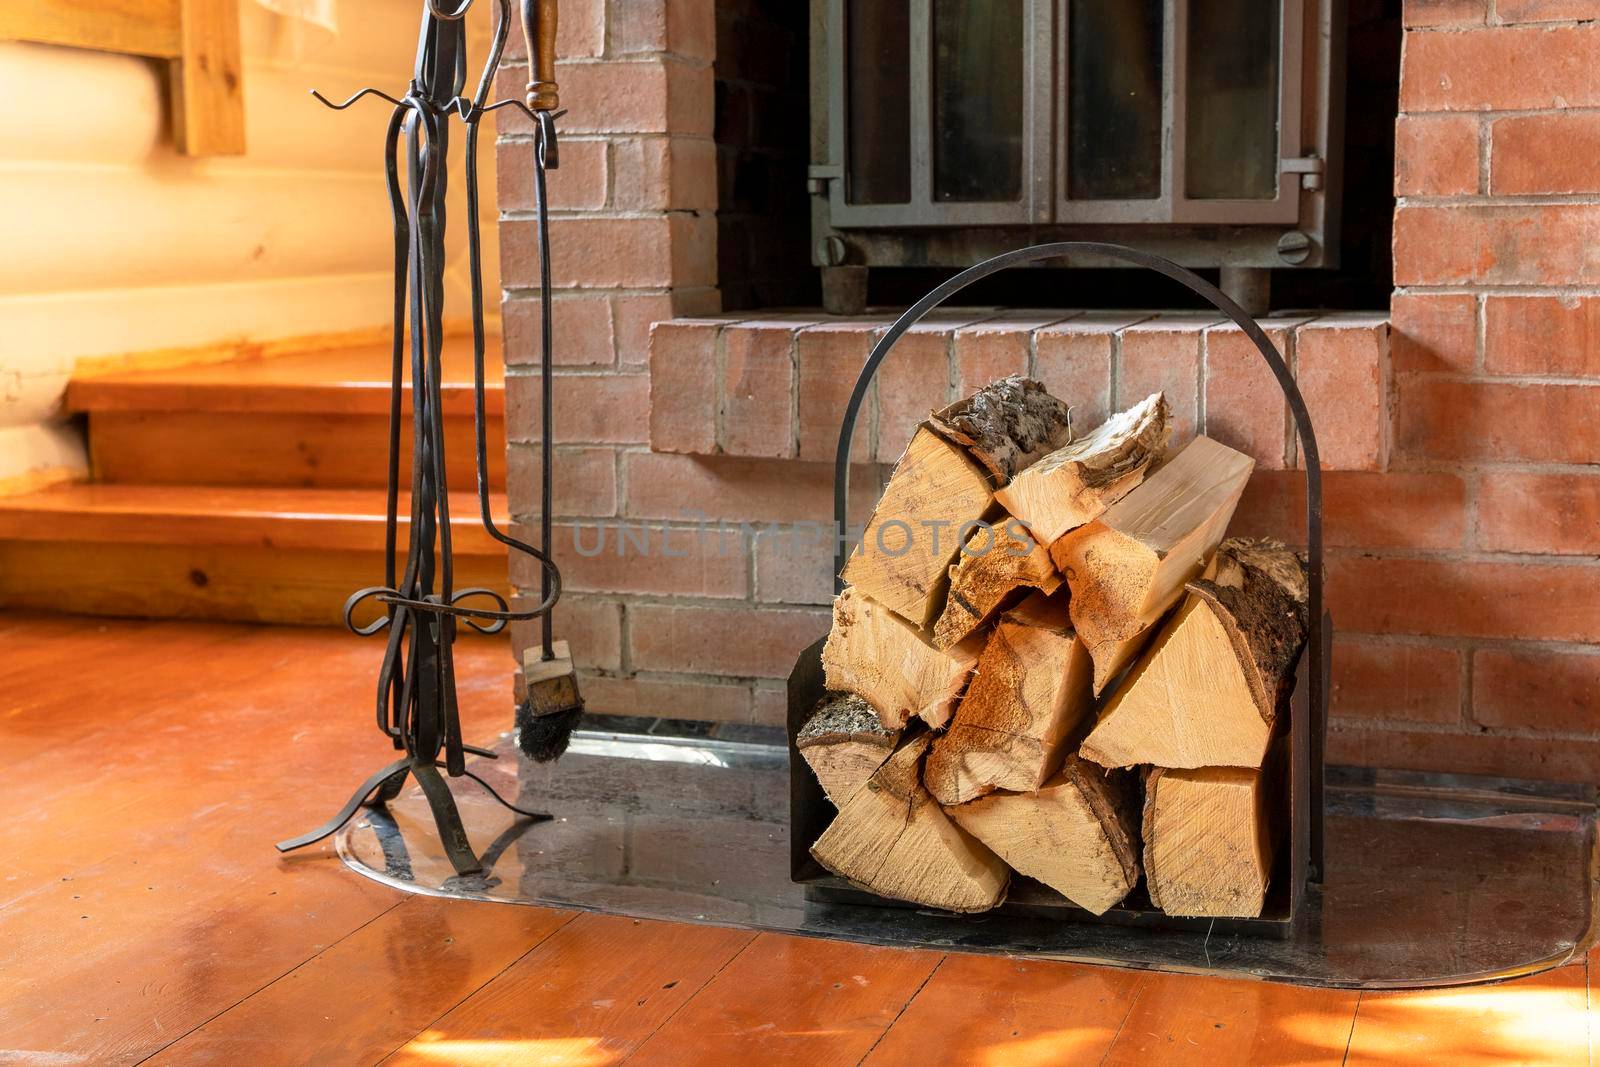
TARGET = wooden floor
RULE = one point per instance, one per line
(145, 916)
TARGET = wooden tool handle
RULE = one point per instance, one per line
(539, 27)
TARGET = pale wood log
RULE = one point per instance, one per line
(1007, 425)
(904, 557)
(1128, 567)
(893, 839)
(1210, 837)
(1075, 484)
(998, 565)
(1078, 834)
(1027, 705)
(880, 657)
(1207, 693)
(844, 742)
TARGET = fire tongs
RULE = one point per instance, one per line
(416, 698)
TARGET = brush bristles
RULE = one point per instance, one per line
(543, 738)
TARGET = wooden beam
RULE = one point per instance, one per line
(128, 27)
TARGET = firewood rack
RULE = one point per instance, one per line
(1294, 867)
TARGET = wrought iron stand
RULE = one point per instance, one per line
(416, 692)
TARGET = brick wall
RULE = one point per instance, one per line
(1463, 508)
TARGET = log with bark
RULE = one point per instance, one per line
(999, 565)
(1209, 690)
(1079, 834)
(1075, 484)
(878, 656)
(844, 742)
(892, 838)
(944, 482)
(1129, 567)
(1027, 704)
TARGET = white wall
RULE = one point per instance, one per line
(115, 244)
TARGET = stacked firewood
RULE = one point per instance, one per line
(1048, 660)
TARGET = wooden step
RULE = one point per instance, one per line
(250, 554)
(313, 419)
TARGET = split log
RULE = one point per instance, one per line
(1210, 836)
(1128, 567)
(1078, 834)
(891, 838)
(844, 742)
(944, 482)
(1074, 485)
(1209, 690)
(883, 659)
(1027, 705)
(1007, 425)
(998, 565)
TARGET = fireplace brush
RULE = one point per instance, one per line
(416, 692)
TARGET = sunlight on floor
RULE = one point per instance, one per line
(1541, 1020)
(433, 1047)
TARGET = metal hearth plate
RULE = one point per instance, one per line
(1432, 879)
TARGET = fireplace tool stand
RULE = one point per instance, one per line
(416, 691)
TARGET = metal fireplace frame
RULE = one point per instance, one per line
(1295, 866)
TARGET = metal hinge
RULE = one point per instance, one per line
(1310, 169)
(818, 175)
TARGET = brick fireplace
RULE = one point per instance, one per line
(1457, 425)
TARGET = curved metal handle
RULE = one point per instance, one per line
(1316, 648)
(539, 29)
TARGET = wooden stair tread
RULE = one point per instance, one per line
(352, 380)
(267, 516)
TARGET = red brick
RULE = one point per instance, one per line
(995, 348)
(592, 626)
(1533, 154)
(1536, 602)
(637, 312)
(1073, 360)
(683, 404)
(683, 27)
(1496, 421)
(579, 184)
(794, 565)
(1504, 68)
(758, 390)
(1376, 678)
(1558, 336)
(661, 486)
(1429, 332)
(581, 332)
(1547, 244)
(638, 559)
(1245, 406)
(1546, 10)
(1436, 155)
(1163, 355)
(1536, 689)
(1550, 759)
(1421, 13)
(654, 95)
(771, 705)
(830, 357)
(580, 31)
(741, 642)
(1359, 509)
(585, 481)
(670, 698)
(665, 174)
(598, 252)
(913, 381)
(589, 408)
(1548, 514)
(1342, 367)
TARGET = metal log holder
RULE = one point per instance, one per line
(809, 809)
(416, 691)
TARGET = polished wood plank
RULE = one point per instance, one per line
(1542, 1020)
(792, 1000)
(987, 1010)
(361, 998)
(1189, 1019)
(589, 995)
